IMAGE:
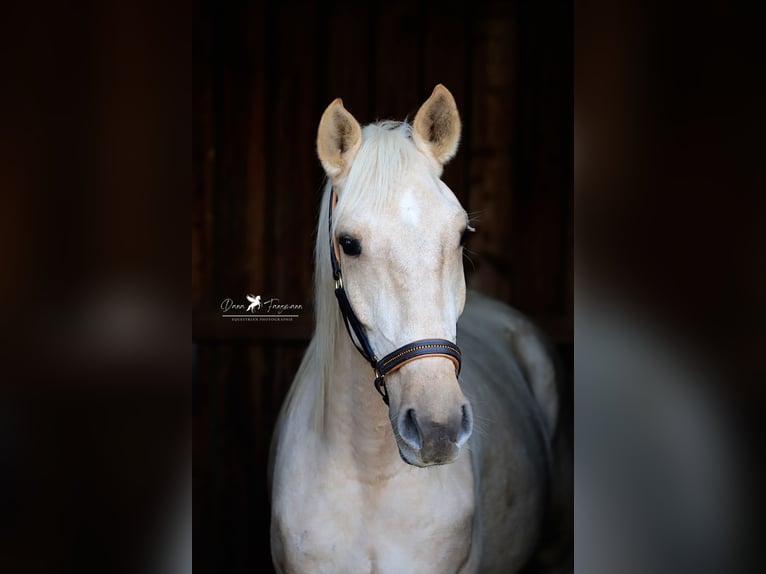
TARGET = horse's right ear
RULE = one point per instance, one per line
(338, 139)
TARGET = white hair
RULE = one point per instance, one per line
(386, 154)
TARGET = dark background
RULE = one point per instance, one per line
(263, 74)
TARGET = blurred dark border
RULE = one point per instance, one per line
(95, 108)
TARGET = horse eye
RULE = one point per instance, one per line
(464, 234)
(350, 245)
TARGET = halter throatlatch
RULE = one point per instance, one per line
(397, 358)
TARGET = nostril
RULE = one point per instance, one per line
(409, 430)
(466, 425)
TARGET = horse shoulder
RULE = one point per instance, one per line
(510, 377)
(314, 505)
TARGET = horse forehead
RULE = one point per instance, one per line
(421, 204)
(409, 207)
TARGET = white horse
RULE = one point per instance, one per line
(361, 487)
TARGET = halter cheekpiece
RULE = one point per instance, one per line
(397, 358)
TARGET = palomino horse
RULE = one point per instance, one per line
(446, 474)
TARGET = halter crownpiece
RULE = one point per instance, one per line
(395, 359)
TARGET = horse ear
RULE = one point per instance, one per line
(338, 139)
(437, 126)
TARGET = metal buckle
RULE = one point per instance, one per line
(339, 281)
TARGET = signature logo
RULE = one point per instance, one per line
(256, 309)
(255, 302)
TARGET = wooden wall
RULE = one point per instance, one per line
(263, 74)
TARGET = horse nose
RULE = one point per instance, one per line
(436, 442)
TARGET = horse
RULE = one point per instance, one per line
(448, 473)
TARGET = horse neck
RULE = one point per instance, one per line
(357, 427)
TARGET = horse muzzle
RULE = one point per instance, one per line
(426, 442)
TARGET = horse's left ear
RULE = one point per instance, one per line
(437, 126)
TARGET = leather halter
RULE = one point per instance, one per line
(397, 358)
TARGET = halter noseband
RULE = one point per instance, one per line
(395, 359)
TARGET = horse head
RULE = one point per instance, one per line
(399, 233)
